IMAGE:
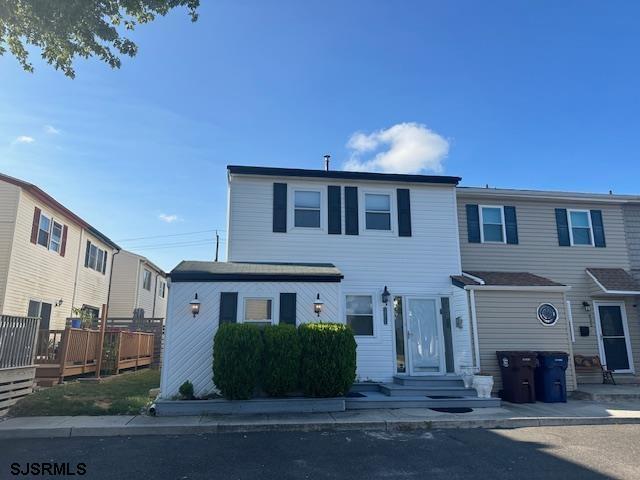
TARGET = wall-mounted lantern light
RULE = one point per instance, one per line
(317, 305)
(587, 306)
(385, 295)
(59, 303)
(195, 306)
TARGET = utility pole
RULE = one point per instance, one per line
(217, 244)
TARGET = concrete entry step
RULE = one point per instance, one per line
(607, 393)
(394, 390)
(439, 381)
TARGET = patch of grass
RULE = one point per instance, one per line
(124, 395)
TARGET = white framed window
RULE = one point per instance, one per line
(580, 228)
(56, 237)
(258, 311)
(93, 257)
(306, 208)
(492, 226)
(44, 229)
(359, 312)
(377, 207)
(161, 289)
(96, 258)
(146, 280)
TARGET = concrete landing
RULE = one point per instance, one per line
(608, 393)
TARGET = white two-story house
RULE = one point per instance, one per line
(376, 250)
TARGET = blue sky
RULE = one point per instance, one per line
(514, 94)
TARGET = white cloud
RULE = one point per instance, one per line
(168, 218)
(24, 139)
(402, 148)
(50, 129)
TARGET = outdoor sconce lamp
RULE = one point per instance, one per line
(195, 306)
(317, 305)
(59, 303)
(385, 295)
(587, 306)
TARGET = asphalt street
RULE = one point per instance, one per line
(591, 452)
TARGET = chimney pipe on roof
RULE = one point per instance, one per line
(327, 157)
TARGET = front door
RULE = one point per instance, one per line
(613, 336)
(424, 334)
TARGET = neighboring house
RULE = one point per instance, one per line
(138, 287)
(552, 271)
(51, 260)
(297, 237)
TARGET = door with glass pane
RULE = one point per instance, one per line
(613, 336)
(424, 335)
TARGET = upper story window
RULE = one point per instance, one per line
(161, 289)
(359, 310)
(307, 209)
(258, 311)
(95, 258)
(44, 230)
(56, 237)
(146, 280)
(492, 222)
(580, 228)
(48, 233)
(377, 211)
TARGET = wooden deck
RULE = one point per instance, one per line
(74, 351)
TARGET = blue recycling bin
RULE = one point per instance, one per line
(550, 377)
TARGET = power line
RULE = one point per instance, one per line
(186, 242)
(171, 235)
(195, 244)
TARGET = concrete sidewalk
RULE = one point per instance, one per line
(575, 412)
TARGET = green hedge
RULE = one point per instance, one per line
(328, 365)
(281, 360)
(237, 359)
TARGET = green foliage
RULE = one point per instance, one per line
(186, 390)
(65, 29)
(328, 366)
(237, 358)
(281, 361)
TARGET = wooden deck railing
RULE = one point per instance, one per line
(74, 351)
(18, 336)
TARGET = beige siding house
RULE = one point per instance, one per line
(139, 288)
(577, 245)
(51, 260)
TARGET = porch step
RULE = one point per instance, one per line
(395, 390)
(439, 381)
(372, 401)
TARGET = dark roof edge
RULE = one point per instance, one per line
(54, 204)
(250, 277)
(341, 174)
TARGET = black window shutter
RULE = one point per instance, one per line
(228, 307)
(511, 225)
(351, 210)
(86, 254)
(473, 223)
(288, 308)
(404, 212)
(279, 207)
(334, 209)
(598, 229)
(562, 224)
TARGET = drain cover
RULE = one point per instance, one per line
(453, 410)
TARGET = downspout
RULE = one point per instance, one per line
(571, 336)
(155, 295)
(75, 282)
(474, 324)
(137, 296)
(113, 258)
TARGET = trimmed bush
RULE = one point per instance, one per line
(237, 359)
(281, 360)
(186, 390)
(328, 365)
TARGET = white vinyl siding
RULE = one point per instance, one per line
(368, 261)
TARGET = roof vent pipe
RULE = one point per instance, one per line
(327, 158)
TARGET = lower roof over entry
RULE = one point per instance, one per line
(486, 280)
(195, 271)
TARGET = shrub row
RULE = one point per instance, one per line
(317, 358)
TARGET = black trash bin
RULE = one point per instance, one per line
(518, 372)
(551, 379)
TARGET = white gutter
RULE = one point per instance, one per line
(474, 324)
(515, 288)
(612, 292)
(474, 278)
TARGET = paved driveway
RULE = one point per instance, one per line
(593, 452)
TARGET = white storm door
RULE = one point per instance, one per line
(424, 334)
